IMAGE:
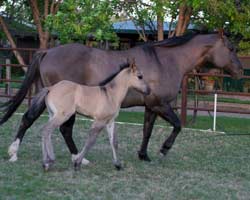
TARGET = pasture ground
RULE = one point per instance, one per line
(201, 165)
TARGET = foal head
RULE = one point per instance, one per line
(223, 55)
(136, 80)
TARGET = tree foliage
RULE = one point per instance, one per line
(76, 20)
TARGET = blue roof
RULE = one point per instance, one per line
(129, 27)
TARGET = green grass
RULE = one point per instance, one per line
(201, 165)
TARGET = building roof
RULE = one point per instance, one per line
(130, 27)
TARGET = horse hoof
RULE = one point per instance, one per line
(13, 158)
(163, 152)
(13, 148)
(85, 161)
(144, 157)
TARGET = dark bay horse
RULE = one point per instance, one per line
(162, 63)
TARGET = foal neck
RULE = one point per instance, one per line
(118, 87)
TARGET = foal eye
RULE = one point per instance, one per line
(140, 76)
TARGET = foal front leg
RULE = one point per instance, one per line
(113, 142)
(67, 130)
(93, 133)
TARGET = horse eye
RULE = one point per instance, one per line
(140, 76)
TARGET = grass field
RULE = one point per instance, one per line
(201, 165)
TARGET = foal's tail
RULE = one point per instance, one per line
(38, 100)
(32, 74)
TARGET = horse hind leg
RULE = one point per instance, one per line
(167, 113)
(113, 143)
(27, 120)
(66, 130)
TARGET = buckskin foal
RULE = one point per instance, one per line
(101, 103)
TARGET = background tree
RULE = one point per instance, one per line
(77, 20)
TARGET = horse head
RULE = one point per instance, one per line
(223, 55)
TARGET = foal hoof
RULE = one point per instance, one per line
(46, 167)
(118, 165)
(77, 166)
(143, 157)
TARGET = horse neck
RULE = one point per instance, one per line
(195, 52)
(118, 87)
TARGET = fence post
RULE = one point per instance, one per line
(184, 100)
(8, 77)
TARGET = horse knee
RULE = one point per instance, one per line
(177, 127)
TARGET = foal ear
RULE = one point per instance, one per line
(133, 65)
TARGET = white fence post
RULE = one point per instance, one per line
(215, 111)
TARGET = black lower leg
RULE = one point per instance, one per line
(149, 119)
(172, 118)
(66, 130)
(28, 119)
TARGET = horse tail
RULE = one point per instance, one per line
(32, 74)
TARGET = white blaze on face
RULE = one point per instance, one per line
(13, 149)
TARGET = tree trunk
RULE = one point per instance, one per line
(185, 13)
(160, 30)
(43, 35)
(12, 43)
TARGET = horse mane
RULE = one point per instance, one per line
(178, 40)
(112, 76)
(175, 41)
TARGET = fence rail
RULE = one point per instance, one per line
(184, 92)
(8, 65)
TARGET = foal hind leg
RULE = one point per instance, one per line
(167, 113)
(113, 142)
(27, 120)
(96, 128)
(149, 119)
(47, 147)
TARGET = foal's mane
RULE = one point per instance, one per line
(112, 76)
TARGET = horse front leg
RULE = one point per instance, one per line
(167, 113)
(149, 120)
(27, 120)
